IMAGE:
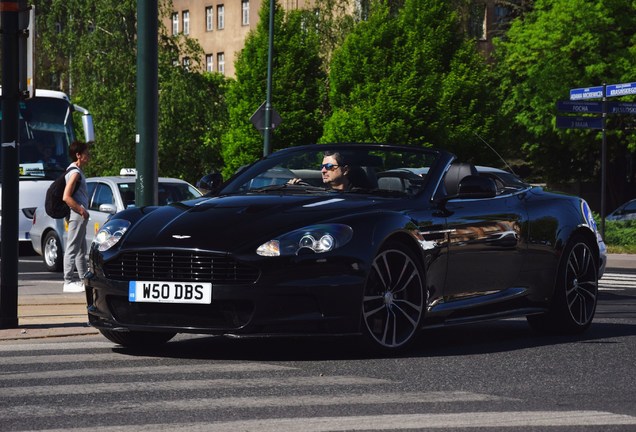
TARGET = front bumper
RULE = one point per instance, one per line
(313, 296)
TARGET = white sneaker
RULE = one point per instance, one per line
(73, 287)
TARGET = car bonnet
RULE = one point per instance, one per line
(228, 223)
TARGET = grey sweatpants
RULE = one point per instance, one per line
(75, 253)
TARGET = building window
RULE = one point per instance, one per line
(245, 8)
(175, 23)
(186, 22)
(186, 63)
(209, 62)
(209, 18)
(220, 17)
(220, 61)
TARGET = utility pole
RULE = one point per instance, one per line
(11, 35)
(267, 131)
(146, 188)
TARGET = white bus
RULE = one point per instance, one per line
(46, 131)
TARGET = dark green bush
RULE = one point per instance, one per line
(620, 233)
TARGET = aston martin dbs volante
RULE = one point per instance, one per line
(415, 239)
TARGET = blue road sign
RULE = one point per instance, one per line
(621, 107)
(580, 107)
(586, 93)
(619, 89)
(579, 122)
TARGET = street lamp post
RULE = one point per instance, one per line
(267, 131)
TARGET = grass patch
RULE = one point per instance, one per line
(620, 236)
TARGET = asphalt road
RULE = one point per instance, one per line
(497, 376)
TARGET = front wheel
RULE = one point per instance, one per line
(137, 339)
(575, 292)
(52, 252)
(394, 299)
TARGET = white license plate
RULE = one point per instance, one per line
(170, 292)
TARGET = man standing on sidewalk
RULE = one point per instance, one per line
(77, 200)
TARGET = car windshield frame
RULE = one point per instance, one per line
(168, 191)
(384, 170)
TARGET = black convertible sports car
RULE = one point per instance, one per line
(415, 239)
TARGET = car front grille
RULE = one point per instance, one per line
(184, 266)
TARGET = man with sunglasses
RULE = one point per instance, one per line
(334, 171)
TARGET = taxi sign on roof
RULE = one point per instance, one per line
(128, 172)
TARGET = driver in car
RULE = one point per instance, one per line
(334, 172)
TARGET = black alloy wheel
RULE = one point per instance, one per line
(576, 291)
(394, 299)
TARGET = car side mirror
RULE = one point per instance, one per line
(474, 186)
(108, 208)
(210, 183)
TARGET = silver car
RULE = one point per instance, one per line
(626, 211)
(107, 196)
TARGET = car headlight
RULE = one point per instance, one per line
(110, 234)
(314, 238)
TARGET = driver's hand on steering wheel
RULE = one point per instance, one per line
(297, 181)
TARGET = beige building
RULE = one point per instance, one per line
(220, 26)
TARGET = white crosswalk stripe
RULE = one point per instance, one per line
(88, 386)
(617, 282)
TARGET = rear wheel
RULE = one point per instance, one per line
(575, 293)
(394, 299)
(137, 339)
(52, 253)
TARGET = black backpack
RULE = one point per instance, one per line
(54, 205)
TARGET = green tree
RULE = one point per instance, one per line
(89, 48)
(296, 87)
(407, 75)
(192, 113)
(560, 45)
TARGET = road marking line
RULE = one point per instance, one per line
(148, 370)
(499, 419)
(188, 385)
(208, 404)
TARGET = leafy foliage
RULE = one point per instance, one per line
(406, 75)
(621, 234)
(90, 49)
(97, 39)
(297, 91)
(557, 46)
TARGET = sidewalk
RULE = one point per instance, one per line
(59, 315)
(50, 315)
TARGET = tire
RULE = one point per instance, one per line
(575, 292)
(52, 253)
(137, 339)
(394, 299)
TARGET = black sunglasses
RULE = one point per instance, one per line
(328, 166)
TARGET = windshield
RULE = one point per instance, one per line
(46, 130)
(377, 170)
(168, 193)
